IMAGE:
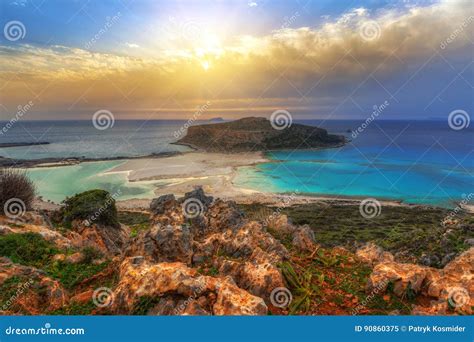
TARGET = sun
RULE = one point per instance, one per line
(205, 65)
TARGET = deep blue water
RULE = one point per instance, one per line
(414, 161)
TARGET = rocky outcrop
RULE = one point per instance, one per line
(31, 291)
(450, 289)
(302, 237)
(373, 254)
(109, 240)
(212, 234)
(180, 290)
(258, 134)
(34, 223)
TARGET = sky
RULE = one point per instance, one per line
(145, 59)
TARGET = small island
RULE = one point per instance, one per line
(257, 134)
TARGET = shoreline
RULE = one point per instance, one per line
(181, 172)
(56, 162)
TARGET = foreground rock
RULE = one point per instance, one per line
(108, 240)
(31, 291)
(180, 291)
(214, 235)
(450, 290)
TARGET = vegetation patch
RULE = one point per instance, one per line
(32, 249)
(409, 231)
(333, 282)
(71, 275)
(29, 249)
(75, 308)
(137, 221)
(145, 304)
(17, 191)
(94, 206)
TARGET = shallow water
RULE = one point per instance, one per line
(57, 183)
(417, 162)
(413, 161)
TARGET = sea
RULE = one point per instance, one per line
(419, 162)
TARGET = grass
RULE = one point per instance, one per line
(137, 221)
(75, 308)
(70, 275)
(412, 231)
(32, 249)
(95, 206)
(144, 304)
(331, 282)
(29, 249)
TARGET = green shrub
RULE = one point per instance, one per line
(27, 249)
(17, 187)
(94, 206)
(71, 275)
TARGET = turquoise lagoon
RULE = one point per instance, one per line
(422, 162)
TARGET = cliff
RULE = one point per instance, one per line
(257, 134)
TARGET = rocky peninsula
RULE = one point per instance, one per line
(257, 134)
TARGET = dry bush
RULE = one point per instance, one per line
(15, 184)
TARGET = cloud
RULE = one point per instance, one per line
(305, 67)
(132, 45)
